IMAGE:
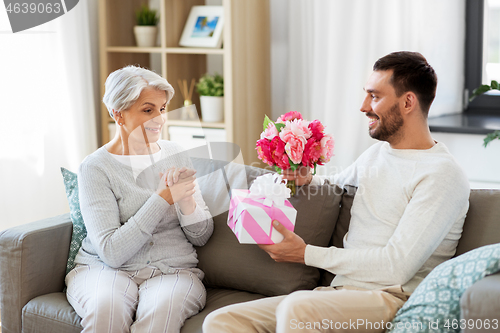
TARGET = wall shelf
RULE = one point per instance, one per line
(186, 50)
(134, 49)
(188, 123)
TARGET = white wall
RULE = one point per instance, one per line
(481, 165)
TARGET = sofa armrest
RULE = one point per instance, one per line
(481, 303)
(32, 263)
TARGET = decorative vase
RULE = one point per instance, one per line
(145, 35)
(212, 108)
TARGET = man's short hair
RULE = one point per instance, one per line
(411, 72)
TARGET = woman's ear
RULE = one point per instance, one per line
(118, 117)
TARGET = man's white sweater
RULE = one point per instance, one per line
(406, 218)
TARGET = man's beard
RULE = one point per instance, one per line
(389, 126)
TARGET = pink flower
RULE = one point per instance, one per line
(270, 132)
(295, 135)
(327, 145)
(264, 151)
(294, 142)
(298, 128)
(317, 129)
(278, 153)
(312, 153)
(289, 116)
(294, 149)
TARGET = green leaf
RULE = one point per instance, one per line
(293, 166)
(146, 16)
(480, 90)
(279, 126)
(494, 84)
(266, 122)
(278, 169)
(490, 137)
(209, 85)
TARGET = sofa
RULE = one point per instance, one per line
(33, 256)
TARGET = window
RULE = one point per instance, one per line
(482, 54)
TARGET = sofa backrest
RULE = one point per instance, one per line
(482, 224)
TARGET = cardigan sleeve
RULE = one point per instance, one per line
(197, 226)
(114, 242)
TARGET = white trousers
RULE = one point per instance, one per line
(112, 300)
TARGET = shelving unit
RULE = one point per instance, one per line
(245, 61)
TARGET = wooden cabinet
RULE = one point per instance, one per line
(245, 58)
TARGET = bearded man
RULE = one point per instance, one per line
(406, 218)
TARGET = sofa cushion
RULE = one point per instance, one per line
(79, 230)
(216, 299)
(344, 219)
(50, 313)
(229, 264)
(482, 224)
(434, 305)
(481, 304)
(341, 228)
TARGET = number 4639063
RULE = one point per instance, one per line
(472, 324)
(25, 8)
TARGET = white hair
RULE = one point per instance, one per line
(124, 86)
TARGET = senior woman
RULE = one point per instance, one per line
(136, 270)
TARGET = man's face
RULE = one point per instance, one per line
(382, 107)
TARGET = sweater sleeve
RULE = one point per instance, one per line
(437, 203)
(114, 243)
(197, 226)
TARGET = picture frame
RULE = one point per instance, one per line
(203, 27)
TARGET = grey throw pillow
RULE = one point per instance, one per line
(341, 228)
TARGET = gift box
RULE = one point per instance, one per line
(251, 212)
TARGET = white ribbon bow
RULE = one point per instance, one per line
(269, 189)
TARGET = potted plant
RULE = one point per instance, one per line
(211, 90)
(479, 91)
(145, 31)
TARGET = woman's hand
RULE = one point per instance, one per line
(302, 175)
(177, 186)
(173, 175)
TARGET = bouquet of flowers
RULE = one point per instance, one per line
(292, 141)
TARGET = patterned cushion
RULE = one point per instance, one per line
(434, 305)
(79, 230)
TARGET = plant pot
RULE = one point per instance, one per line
(145, 35)
(212, 108)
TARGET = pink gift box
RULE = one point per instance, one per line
(251, 220)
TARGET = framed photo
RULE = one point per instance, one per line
(203, 27)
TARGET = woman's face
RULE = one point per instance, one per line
(145, 117)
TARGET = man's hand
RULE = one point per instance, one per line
(302, 175)
(291, 249)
